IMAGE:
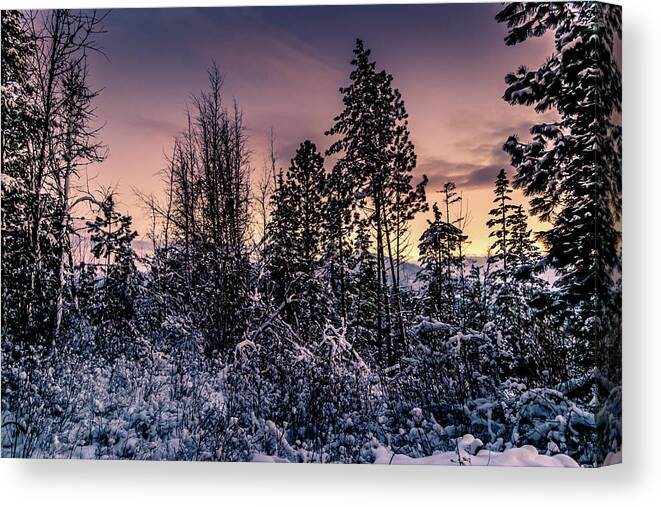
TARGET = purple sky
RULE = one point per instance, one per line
(284, 66)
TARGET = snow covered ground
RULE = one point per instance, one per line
(169, 405)
(526, 456)
(470, 452)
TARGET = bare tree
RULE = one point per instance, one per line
(64, 142)
(264, 192)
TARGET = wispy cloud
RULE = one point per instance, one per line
(465, 174)
(154, 125)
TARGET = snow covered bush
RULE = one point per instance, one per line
(307, 403)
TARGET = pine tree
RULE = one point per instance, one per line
(572, 166)
(378, 158)
(511, 275)
(19, 118)
(528, 327)
(364, 294)
(306, 185)
(296, 240)
(476, 307)
(501, 221)
(113, 307)
(501, 286)
(279, 249)
(18, 46)
(522, 249)
(438, 249)
(340, 227)
(455, 263)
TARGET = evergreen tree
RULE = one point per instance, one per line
(438, 249)
(296, 239)
(501, 221)
(364, 294)
(281, 242)
(572, 166)
(19, 118)
(476, 307)
(114, 303)
(529, 327)
(340, 227)
(501, 285)
(18, 115)
(523, 251)
(511, 276)
(455, 263)
(378, 157)
(306, 187)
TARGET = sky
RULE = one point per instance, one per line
(285, 65)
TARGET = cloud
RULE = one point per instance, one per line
(465, 174)
(478, 170)
(154, 125)
(479, 149)
(488, 127)
(259, 54)
(479, 178)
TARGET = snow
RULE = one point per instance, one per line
(523, 94)
(526, 456)
(265, 458)
(470, 453)
(427, 326)
(7, 182)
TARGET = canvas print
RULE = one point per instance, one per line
(384, 234)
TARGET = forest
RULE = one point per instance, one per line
(291, 315)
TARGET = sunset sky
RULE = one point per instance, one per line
(284, 66)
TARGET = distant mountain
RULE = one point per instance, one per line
(409, 271)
